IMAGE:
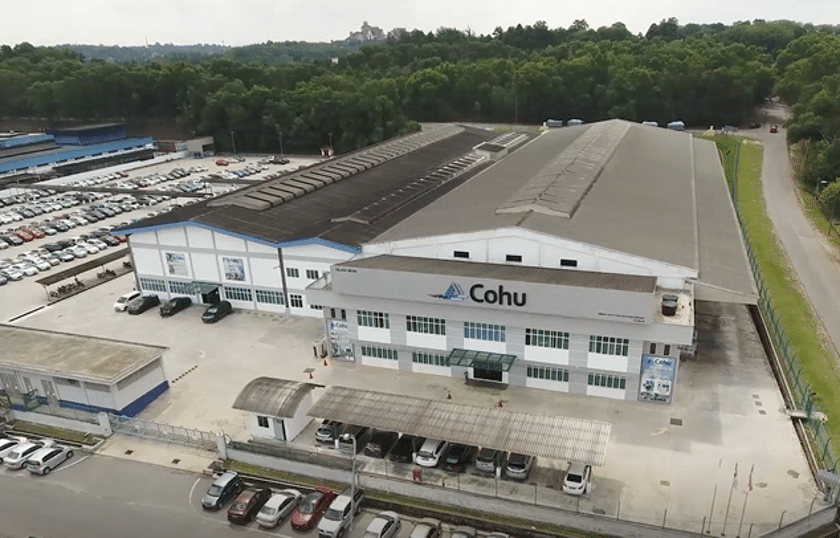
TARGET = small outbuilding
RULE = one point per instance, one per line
(278, 407)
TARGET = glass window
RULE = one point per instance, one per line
(377, 320)
(237, 294)
(513, 258)
(544, 372)
(296, 300)
(461, 254)
(262, 422)
(269, 297)
(312, 274)
(544, 338)
(609, 345)
(152, 284)
(183, 288)
(316, 307)
(379, 352)
(417, 324)
(568, 263)
(653, 349)
(667, 350)
(292, 272)
(429, 358)
(484, 331)
(608, 381)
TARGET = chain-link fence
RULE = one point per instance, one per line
(164, 432)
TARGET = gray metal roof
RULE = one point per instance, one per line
(272, 397)
(68, 355)
(653, 193)
(500, 271)
(554, 437)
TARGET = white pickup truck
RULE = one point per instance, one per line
(336, 519)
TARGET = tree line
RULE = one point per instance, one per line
(701, 74)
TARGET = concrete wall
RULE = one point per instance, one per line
(102, 427)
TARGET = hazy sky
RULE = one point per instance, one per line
(240, 22)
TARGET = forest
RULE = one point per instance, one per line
(711, 74)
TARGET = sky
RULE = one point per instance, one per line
(242, 22)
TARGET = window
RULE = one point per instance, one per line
(377, 320)
(291, 272)
(484, 331)
(316, 307)
(543, 338)
(312, 274)
(667, 350)
(417, 324)
(65, 381)
(98, 387)
(568, 263)
(513, 258)
(262, 422)
(180, 287)
(269, 297)
(549, 374)
(653, 349)
(604, 380)
(608, 345)
(429, 358)
(296, 300)
(461, 254)
(152, 284)
(379, 352)
(237, 294)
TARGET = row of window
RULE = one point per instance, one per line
(433, 359)
(379, 352)
(550, 374)
(544, 338)
(311, 274)
(609, 345)
(606, 380)
(484, 331)
(513, 258)
(152, 284)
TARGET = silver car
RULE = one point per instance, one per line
(7, 444)
(18, 455)
(278, 506)
(385, 525)
(44, 460)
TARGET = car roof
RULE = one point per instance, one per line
(41, 452)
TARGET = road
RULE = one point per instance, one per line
(818, 269)
(104, 497)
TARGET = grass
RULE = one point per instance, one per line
(56, 433)
(791, 305)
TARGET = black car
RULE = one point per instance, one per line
(458, 457)
(174, 305)
(216, 312)
(110, 240)
(143, 303)
(52, 247)
(380, 443)
(223, 489)
(406, 447)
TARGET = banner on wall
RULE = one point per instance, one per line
(657, 379)
(176, 264)
(340, 345)
(234, 269)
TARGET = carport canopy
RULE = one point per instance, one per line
(548, 436)
(83, 267)
(272, 397)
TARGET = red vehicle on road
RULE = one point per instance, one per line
(221, 162)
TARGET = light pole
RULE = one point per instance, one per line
(280, 136)
(330, 134)
(233, 142)
(345, 437)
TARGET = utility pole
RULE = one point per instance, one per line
(233, 142)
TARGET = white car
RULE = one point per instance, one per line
(277, 507)
(19, 454)
(429, 454)
(385, 525)
(7, 444)
(46, 459)
(27, 269)
(14, 273)
(576, 481)
(122, 303)
(78, 251)
(41, 264)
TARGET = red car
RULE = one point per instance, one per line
(774, 129)
(311, 508)
(37, 233)
(25, 235)
(121, 238)
(221, 162)
(247, 504)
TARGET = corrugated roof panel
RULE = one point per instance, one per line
(272, 397)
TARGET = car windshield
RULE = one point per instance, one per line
(214, 490)
(13, 455)
(212, 310)
(268, 511)
(309, 503)
(122, 299)
(239, 506)
(333, 514)
(574, 478)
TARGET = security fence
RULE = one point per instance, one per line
(164, 432)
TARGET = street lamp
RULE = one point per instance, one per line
(330, 134)
(280, 136)
(233, 142)
(345, 437)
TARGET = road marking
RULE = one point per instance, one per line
(71, 464)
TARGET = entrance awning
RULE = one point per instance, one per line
(485, 359)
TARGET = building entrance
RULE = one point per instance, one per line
(211, 297)
(487, 371)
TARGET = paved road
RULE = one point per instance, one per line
(817, 269)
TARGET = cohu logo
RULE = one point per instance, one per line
(500, 296)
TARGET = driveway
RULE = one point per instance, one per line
(814, 261)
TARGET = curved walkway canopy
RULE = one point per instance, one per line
(554, 437)
(272, 397)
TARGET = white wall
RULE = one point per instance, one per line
(61, 422)
(100, 399)
(176, 237)
(265, 433)
(431, 341)
(431, 369)
(485, 345)
(381, 363)
(147, 261)
(259, 248)
(266, 272)
(228, 242)
(614, 363)
(199, 237)
(301, 420)
(140, 387)
(547, 354)
(205, 267)
(375, 334)
(547, 384)
(604, 392)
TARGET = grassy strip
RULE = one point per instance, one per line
(56, 433)
(813, 211)
(791, 305)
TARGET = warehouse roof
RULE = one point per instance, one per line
(548, 436)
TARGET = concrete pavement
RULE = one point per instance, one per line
(814, 261)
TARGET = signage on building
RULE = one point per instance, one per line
(657, 379)
(478, 293)
(338, 333)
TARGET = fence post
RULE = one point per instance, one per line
(664, 516)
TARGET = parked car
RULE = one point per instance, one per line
(463, 532)
(385, 525)
(44, 460)
(223, 489)
(7, 444)
(278, 507)
(311, 508)
(380, 443)
(247, 504)
(328, 431)
(774, 128)
(458, 456)
(406, 447)
(429, 454)
(174, 305)
(19, 454)
(216, 312)
(519, 466)
(576, 481)
(221, 162)
(142, 303)
(428, 527)
(360, 433)
(488, 460)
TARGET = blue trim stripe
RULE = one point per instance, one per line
(104, 149)
(134, 408)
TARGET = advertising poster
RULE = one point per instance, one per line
(340, 345)
(657, 379)
(234, 269)
(176, 264)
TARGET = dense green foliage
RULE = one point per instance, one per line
(701, 74)
(156, 52)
